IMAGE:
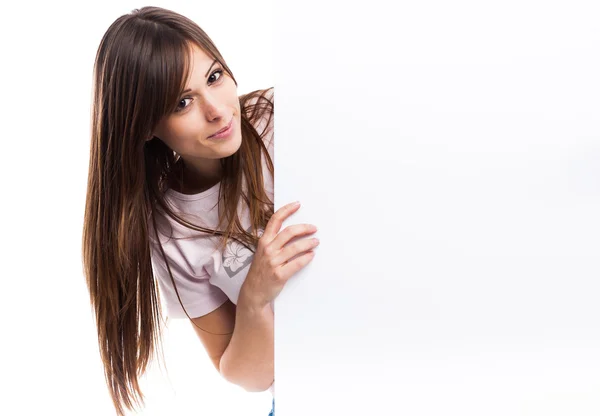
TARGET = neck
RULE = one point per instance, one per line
(192, 180)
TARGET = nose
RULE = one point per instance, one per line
(214, 109)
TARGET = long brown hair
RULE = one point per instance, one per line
(141, 68)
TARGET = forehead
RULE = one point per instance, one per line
(200, 61)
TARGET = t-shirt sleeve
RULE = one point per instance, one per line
(198, 295)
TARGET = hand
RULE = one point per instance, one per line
(272, 265)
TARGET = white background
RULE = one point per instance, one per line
(49, 356)
(449, 153)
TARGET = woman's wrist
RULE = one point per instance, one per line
(250, 303)
(250, 298)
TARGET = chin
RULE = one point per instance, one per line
(232, 146)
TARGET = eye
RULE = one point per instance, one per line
(218, 71)
(180, 106)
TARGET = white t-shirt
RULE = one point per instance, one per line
(205, 278)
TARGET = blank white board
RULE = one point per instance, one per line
(449, 153)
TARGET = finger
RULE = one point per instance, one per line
(296, 248)
(274, 224)
(292, 232)
(292, 267)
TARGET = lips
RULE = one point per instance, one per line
(223, 129)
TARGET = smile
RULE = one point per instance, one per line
(224, 132)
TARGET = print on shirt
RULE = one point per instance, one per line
(236, 256)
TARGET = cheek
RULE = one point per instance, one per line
(174, 135)
(186, 128)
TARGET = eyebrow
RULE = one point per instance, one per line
(213, 64)
(205, 75)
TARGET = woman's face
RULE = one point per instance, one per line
(209, 103)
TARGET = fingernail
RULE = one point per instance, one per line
(295, 204)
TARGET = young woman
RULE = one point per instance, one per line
(180, 200)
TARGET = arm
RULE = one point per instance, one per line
(248, 360)
(244, 358)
